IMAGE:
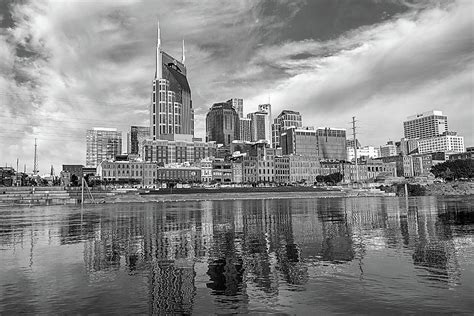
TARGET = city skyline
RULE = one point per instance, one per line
(64, 75)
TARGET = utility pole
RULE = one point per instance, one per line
(35, 162)
(355, 147)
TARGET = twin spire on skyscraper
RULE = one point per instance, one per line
(158, 44)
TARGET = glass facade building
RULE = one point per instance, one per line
(222, 124)
(102, 144)
(171, 112)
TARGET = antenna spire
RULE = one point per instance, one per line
(183, 58)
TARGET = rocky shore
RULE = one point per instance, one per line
(450, 188)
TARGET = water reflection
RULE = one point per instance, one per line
(240, 256)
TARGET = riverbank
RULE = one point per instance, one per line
(450, 188)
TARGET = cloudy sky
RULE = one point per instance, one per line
(66, 66)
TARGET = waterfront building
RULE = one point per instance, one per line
(222, 171)
(70, 170)
(135, 139)
(238, 105)
(249, 169)
(180, 174)
(222, 124)
(101, 144)
(388, 150)
(127, 172)
(366, 151)
(267, 108)
(285, 120)
(171, 111)
(245, 129)
(265, 170)
(303, 169)
(449, 142)
(331, 143)
(258, 126)
(282, 169)
(166, 152)
(237, 170)
(206, 170)
(425, 125)
(299, 141)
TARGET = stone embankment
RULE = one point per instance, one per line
(34, 196)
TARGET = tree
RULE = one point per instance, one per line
(454, 169)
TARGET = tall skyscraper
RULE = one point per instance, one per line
(245, 129)
(101, 144)
(222, 124)
(285, 120)
(267, 108)
(238, 105)
(171, 112)
(258, 126)
(331, 143)
(425, 125)
(135, 138)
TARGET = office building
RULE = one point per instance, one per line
(127, 172)
(102, 144)
(366, 151)
(425, 125)
(285, 120)
(258, 126)
(238, 105)
(166, 152)
(171, 112)
(135, 138)
(267, 108)
(388, 150)
(331, 143)
(245, 130)
(222, 124)
(299, 141)
(450, 143)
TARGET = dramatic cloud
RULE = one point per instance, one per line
(69, 66)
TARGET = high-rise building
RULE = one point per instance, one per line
(238, 105)
(258, 126)
(245, 130)
(102, 144)
(135, 138)
(331, 143)
(222, 124)
(285, 120)
(425, 125)
(299, 141)
(171, 112)
(267, 108)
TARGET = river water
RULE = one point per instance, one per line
(286, 256)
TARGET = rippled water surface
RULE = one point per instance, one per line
(301, 256)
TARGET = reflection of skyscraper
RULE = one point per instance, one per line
(171, 113)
